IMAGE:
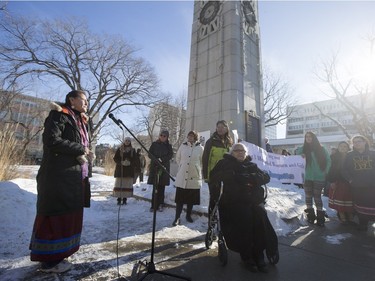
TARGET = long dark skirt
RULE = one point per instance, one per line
(187, 196)
(56, 237)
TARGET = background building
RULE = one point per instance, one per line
(170, 117)
(270, 132)
(27, 113)
(317, 117)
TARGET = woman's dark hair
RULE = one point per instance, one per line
(227, 138)
(317, 148)
(341, 142)
(193, 133)
(73, 94)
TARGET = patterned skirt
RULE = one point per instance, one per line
(123, 187)
(56, 237)
(340, 197)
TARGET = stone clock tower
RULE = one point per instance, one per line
(225, 69)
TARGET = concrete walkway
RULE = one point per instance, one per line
(335, 252)
(330, 253)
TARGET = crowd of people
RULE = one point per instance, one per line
(345, 176)
(235, 184)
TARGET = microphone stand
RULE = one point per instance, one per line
(150, 266)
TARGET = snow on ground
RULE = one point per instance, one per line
(105, 222)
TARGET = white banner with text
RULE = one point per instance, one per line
(285, 169)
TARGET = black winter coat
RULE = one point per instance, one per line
(59, 179)
(164, 152)
(241, 181)
(359, 168)
(242, 219)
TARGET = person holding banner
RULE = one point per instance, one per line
(214, 149)
(318, 163)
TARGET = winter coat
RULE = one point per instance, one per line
(312, 170)
(269, 148)
(129, 157)
(164, 152)
(359, 169)
(214, 150)
(242, 181)
(142, 163)
(241, 217)
(189, 159)
(59, 179)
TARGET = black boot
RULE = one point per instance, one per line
(179, 207)
(118, 201)
(188, 213)
(310, 213)
(189, 218)
(124, 201)
(176, 222)
(320, 218)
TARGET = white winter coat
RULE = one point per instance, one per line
(189, 160)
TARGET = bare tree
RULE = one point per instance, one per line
(336, 121)
(152, 121)
(344, 91)
(278, 97)
(3, 5)
(169, 115)
(180, 119)
(9, 153)
(28, 125)
(65, 51)
(6, 98)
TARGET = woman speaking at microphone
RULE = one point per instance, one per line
(62, 183)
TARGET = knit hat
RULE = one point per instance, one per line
(164, 132)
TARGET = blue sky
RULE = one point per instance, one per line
(295, 35)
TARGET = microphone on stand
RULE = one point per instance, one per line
(114, 120)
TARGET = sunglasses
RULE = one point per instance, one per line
(163, 136)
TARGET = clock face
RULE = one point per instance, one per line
(209, 12)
